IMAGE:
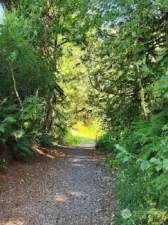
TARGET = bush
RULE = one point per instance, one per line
(69, 139)
(141, 156)
(74, 140)
(106, 143)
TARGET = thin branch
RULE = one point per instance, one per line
(142, 94)
(14, 85)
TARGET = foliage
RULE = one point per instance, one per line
(81, 134)
(90, 130)
(129, 74)
(66, 63)
(142, 156)
(73, 140)
(40, 46)
(19, 126)
(106, 142)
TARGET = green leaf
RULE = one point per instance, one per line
(159, 168)
(165, 164)
(120, 155)
(166, 95)
(145, 165)
(9, 119)
(2, 128)
(155, 161)
(19, 133)
(164, 61)
(165, 127)
(25, 149)
(13, 55)
(119, 147)
(165, 1)
(13, 107)
(163, 143)
(3, 140)
(126, 159)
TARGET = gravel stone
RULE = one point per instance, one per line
(70, 190)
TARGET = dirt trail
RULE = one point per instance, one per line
(73, 189)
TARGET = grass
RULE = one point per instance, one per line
(73, 140)
(82, 134)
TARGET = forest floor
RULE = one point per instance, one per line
(73, 189)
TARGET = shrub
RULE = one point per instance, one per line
(141, 156)
(69, 139)
(106, 142)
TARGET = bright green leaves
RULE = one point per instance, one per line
(10, 120)
(145, 165)
(165, 2)
(40, 41)
(26, 149)
(119, 147)
(13, 56)
(157, 163)
(160, 164)
(134, 33)
(18, 134)
(165, 164)
(2, 128)
(126, 159)
(155, 160)
(132, 68)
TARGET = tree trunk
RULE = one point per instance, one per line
(142, 94)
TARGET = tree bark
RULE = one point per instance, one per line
(142, 94)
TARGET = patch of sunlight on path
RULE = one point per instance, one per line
(88, 145)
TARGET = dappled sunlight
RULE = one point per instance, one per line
(60, 198)
(67, 191)
(92, 76)
(13, 222)
(76, 160)
(76, 193)
(78, 165)
(92, 130)
(89, 146)
(51, 93)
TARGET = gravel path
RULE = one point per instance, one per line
(73, 189)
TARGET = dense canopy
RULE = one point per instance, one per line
(72, 62)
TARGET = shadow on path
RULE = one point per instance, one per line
(71, 190)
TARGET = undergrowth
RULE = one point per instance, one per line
(141, 157)
(70, 139)
(81, 134)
